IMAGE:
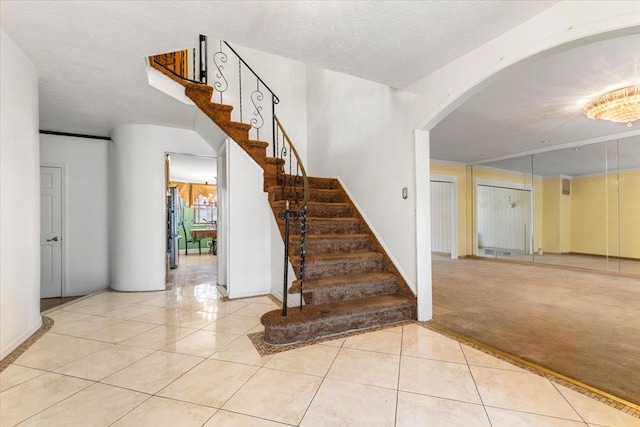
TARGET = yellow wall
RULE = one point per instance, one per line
(594, 215)
(551, 189)
(556, 217)
(459, 171)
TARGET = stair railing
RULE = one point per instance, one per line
(295, 192)
(232, 76)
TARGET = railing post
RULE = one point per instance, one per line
(203, 64)
(273, 125)
(303, 251)
(287, 215)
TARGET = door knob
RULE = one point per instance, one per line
(55, 239)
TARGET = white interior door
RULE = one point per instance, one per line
(441, 217)
(50, 232)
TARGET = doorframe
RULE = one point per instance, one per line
(64, 255)
(453, 180)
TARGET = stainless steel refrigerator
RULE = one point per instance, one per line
(174, 217)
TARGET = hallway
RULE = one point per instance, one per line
(182, 357)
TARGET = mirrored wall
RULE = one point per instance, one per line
(576, 207)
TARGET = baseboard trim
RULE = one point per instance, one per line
(20, 339)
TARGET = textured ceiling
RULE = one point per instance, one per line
(541, 101)
(90, 54)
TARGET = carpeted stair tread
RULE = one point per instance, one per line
(330, 319)
(339, 236)
(352, 279)
(324, 226)
(257, 143)
(331, 243)
(316, 194)
(332, 258)
(320, 209)
(347, 287)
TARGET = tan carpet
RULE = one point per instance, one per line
(580, 324)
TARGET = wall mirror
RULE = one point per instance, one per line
(576, 207)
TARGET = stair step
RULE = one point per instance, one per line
(315, 194)
(315, 225)
(219, 113)
(327, 265)
(343, 288)
(320, 209)
(318, 321)
(317, 244)
(314, 182)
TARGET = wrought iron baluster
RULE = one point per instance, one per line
(193, 64)
(257, 121)
(287, 215)
(221, 84)
(240, 84)
(303, 251)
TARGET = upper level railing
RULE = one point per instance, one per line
(236, 83)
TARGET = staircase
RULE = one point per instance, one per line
(350, 282)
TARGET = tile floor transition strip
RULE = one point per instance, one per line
(584, 389)
(266, 349)
(47, 324)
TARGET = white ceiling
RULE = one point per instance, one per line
(537, 102)
(90, 54)
(195, 169)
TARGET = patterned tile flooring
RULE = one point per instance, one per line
(181, 357)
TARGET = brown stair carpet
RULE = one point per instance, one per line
(350, 281)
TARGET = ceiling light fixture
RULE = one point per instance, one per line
(620, 105)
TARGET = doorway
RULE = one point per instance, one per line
(51, 232)
(444, 218)
(192, 217)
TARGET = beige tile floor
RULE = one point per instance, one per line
(181, 358)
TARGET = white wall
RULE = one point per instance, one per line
(249, 233)
(138, 217)
(363, 133)
(19, 198)
(86, 223)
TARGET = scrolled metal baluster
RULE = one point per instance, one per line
(257, 121)
(219, 59)
(283, 155)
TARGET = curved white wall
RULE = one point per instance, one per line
(138, 218)
(19, 198)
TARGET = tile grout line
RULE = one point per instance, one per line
(324, 377)
(395, 419)
(475, 384)
(567, 400)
